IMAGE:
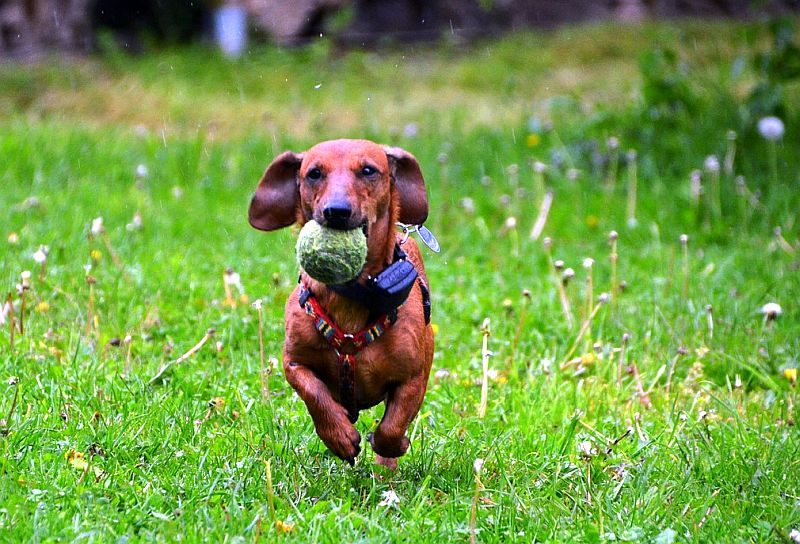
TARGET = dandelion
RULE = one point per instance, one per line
(730, 153)
(556, 267)
(141, 171)
(13, 238)
(40, 256)
(411, 130)
(97, 227)
(389, 499)
(588, 263)
(771, 311)
(231, 279)
(441, 374)
(25, 278)
(613, 163)
(587, 449)
(485, 356)
(533, 139)
(791, 375)
(468, 205)
(772, 129)
(684, 239)
(612, 238)
(794, 536)
(696, 188)
(136, 223)
(711, 166)
(632, 187)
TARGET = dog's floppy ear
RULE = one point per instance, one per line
(410, 185)
(277, 196)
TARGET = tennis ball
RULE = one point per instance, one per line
(330, 255)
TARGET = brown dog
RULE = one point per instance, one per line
(347, 184)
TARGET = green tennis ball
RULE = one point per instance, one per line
(330, 255)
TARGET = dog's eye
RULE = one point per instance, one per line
(315, 174)
(368, 171)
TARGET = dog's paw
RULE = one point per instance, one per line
(388, 446)
(389, 462)
(344, 441)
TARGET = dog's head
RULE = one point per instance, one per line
(341, 184)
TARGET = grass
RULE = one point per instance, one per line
(572, 450)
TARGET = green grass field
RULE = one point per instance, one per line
(663, 422)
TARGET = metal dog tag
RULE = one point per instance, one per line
(428, 238)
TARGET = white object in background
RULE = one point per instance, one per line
(230, 30)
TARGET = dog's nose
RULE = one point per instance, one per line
(337, 214)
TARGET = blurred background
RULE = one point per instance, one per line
(32, 27)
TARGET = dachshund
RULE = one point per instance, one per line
(350, 347)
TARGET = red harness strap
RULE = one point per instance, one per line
(346, 345)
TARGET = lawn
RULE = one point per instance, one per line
(666, 414)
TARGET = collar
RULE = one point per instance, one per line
(386, 292)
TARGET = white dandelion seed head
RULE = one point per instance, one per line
(771, 310)
(40, 256)
(612, 142)
(411, 130)
(569, 273)
(25, 275)
(613, 235)
(588, 262)
(141, 171)
(684, 238)
(771, 128)
(587, 449)
(539, 167)
(631, 155)
(389, 498)
(232, 278)
(477, 465)
(559, 264)
(794, 536)
(711, 164)
(441, 374)
(258, 304)
(511, 223)
(468, 204)
(603, 298)
(97, 226)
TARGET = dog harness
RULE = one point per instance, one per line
(346, 345)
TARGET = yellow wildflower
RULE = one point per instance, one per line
(96, 255)
(533, 140)
(435, 328)
(42, 307)
(283, 526)
(13, 238)
(791, 375)
(76, 460)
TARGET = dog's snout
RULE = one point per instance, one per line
(337, 213)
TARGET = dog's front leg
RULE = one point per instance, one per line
(402, 404)
(330, 417)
